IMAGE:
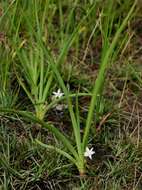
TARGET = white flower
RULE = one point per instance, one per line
(58, 94)
(89, 153)
(60, 107)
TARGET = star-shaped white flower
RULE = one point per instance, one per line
(58, 94)
(89, 153)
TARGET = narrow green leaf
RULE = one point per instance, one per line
(49, 126)
(65, 154)
(101, 75)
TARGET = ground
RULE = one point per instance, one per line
(116, 130)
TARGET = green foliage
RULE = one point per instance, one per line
(49, 36)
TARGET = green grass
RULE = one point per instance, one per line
(89, 50)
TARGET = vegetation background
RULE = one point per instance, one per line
(77, 34)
